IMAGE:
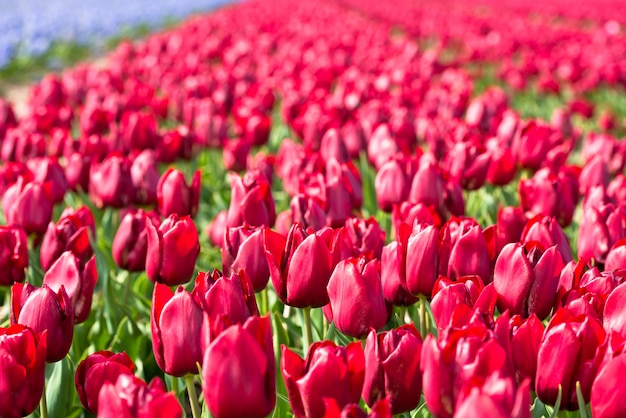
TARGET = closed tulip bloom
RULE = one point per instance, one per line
(614, 318)
(594, 173)
(452, 364)
(28, 205)
(428, 185)
(525, 340)
(511, 222)
(463, 250)
(144, 174)
(307, 211)
(567, 355)
(468, 163)
(546, 231)
(356, 297)
(455, 303)
(392, 185)
(344, 192)
(251, 200)
(526, 279)
(243, 250)
(550, 194)
(365, 237)
(328, 372)
(69, 234)
(531, 144)
(235, 153)
(22, 371)
(240, 363)
(130, 245)
(607, 397)
(47, 169)
(172, 250)
(497, 395)
(300, 266)
(600, 228)
(392, 368)
(96, 370)
(138, 130)
(131, 397)
(421, 259)
(381, 409)
(216, 229)
(110, 183)
(78, 279)
(392, 272)
(502, 168)
(616, 257)
(42, 309)
(175, 196)
(13, 255)
(176, 343)
(231, 296)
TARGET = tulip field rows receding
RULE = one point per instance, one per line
(324, 208)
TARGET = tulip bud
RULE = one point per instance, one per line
(13, 255)
(243, 250)
(251, 201)
(497, 395)
(463, 250)
(567, 356)
(468, 163)
(130, 245)
(392, 368)
(78, 280)
(546, 231)
(392, 184)
(456, 303)
(172, 250)
(23, 354)
(300, 266)
(96, 370)
(329, 372)
(365, 237)
(229, 297)
(177, 345)
(130, 396)
(526, 279)
(47, 169)
(241, 361)
(550, 194)
(421, 259)
(356, 297)
(77, 171)
(110, 183)
(600, 228)
(138, 130)
(28, 205)
(42, 309)
(531, 144)
(308, 212)
(525, 339)
(71, 233)
(607, 398)
(144, 175)
(392, 272)
(216, 229)
(174, 196)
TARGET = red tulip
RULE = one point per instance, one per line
(463, 250)
(13, 255)
(525, 339)
(300, 266)
(176, 344)
(457, 303)
(251, 201)
(172, 250)
(550, 194)
(144, 175)
(28, 205)
(243, 250)
(130, 245)
(498, 396)
(71, 233)
(607, 397)
(241, 362)
(131, 397)
(526, 279)
(329, 372)
(392, 368)
(356, 297)
(42, 309)
(49, 170)
(174, 196)
(422, 248)
(392, 184)
(567, 355)
(78, 280)
(110, 183)
(381, 409)
(23, 368)
(392, 272)
(601, 228)
(546, 231)
(96, 370)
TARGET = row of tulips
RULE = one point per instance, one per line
(417, 234)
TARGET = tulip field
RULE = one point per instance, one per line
(324, 209)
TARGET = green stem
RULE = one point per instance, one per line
(265, 302)
(43, 405)
(422, 315)
(127, 284)
(325, 325)
(175, 386)
(307, 334)
(193, 396)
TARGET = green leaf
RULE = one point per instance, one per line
(582, 405)
(60, 388)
